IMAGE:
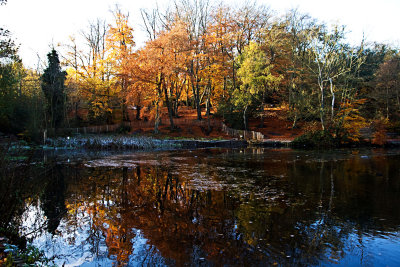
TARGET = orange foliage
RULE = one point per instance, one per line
(379, 137)
(349, 119)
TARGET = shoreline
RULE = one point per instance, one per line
(123, 142)
(140, 143)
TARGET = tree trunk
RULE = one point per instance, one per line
(197, 99)
(125, 116)
(333, 99)
(295, 119)
(187, 94)
(398, 100)
(175, 108)
(245, 118)
(233, 76)
(208, 116)
(321, 111)
(262, 109)
(170, 115)
(208, 107)
(196, 96)
(157, 118)
(196, 89)
(387, 102)
(138, 108)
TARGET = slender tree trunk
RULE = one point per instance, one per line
(295, 119)
(398, 100)
(262, 109)
(387, 102)
(196, 95)
(196, 91)
(124, 113)
(321, 111)
(159, 93)
(187, 94)
(179, 91)
(138, 108)
(197, 99)
(245, 118)
(233, 76)
(175, 107)
(208, 93)
(208, 116)
(157, 118)
(333, 99)
(170, 115)
(208, 107)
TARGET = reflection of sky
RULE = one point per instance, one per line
(372, 250)
(72, 245)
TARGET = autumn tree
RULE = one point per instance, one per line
(160, 65)
(195, 15)
(387, 92)
(221, 46)
(251, 20)
(74, 80)
(330, 59)
(298, 79)
(94, 73)
(119, 46)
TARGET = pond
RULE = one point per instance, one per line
(214, 207)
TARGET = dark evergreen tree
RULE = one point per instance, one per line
(53, 87)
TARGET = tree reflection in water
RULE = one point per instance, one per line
(222, 207)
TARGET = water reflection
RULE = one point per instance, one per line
(222, 207)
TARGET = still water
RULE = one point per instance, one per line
(214, 207)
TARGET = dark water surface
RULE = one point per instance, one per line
(251, 207)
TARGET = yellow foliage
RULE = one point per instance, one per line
(349, 119)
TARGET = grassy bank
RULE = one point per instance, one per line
(122, 142)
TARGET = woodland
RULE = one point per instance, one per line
(227, 62)
(220, 64)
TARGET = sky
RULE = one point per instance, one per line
(37, 25)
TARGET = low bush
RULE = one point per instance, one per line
(316, 139)
(123, 129)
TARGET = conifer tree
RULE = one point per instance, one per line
(53, 88)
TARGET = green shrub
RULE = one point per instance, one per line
(316, 139)
(234, 120)
(123, 129)
(31, 256)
